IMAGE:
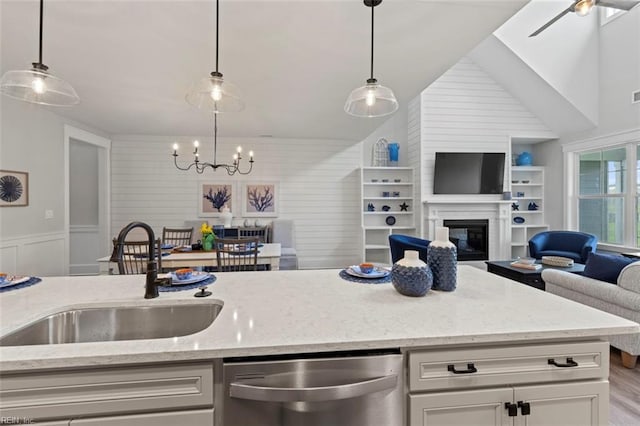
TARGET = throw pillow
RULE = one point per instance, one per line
(605, 267)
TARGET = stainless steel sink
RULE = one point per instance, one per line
(115, 323)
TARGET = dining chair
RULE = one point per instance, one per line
(177, 236)
(237, 254)
(132, 256)
(259, 232)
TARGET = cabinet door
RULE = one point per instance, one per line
(579, 404)
(479, 408)
(182, 418)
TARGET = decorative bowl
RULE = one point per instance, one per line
(515, 181)
(397, 180)
(526, 181)
(3, 277)
(183, 274)
(518, 219)
(366, 268)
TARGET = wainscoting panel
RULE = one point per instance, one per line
(84, 243)
(41, 255)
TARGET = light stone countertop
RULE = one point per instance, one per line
(305, 311)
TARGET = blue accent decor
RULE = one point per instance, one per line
(518, 219)
(605, 267)
(524, 159)
(532, 206)
(411, 281)
(574, 245)
(443, 262)
(199, 284)
(399, 243)
(394, 151)
(345, 276)
(29, 283)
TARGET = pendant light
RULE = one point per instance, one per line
(372, 99)
(37, 85)
(212, 93)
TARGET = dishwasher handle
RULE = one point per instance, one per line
(324, 393)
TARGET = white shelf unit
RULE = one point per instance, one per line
(390, 187)
(527, 186)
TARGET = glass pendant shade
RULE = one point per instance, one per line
(583, 7)
(216, 95)
(38, 87)
(371, 100)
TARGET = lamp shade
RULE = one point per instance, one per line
(215, 95)
(371, 100)
(38, 87)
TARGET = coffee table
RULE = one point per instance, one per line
(529, 277)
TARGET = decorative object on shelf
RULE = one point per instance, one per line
(390, 220)
(379, 153)
(563, 262)
(532, 206)
(515, 181)
(374, 180)
(372, 99)
(519, 194)
(442, 258)
(396, 193)
(213, 197)
(386, 193)
(37, 85)
(394, 153)
(246, 223)
(518, 219)
(385, 180)
(397, 180)
(260, 199)
(371, 208)
(526, 181)
(213, 93)
(506, 195)
(200, 166)
(410, 276)
(386, 208)
(208, 237)
(14, 188)
(404, 207)
(515, 207)
(226, 216)
(524, 159)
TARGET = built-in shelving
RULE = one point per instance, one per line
(397, 190)
(527, 186)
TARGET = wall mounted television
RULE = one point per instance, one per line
(469, 173)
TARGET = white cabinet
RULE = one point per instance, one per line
(387, 195)
(545, 384)
(527, 191)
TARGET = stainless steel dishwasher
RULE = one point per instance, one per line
(336, 389)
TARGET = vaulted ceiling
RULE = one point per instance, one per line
(295, 61)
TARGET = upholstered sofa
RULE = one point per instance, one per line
(621, 299)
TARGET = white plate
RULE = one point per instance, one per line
(15, 281)
(197, 276)
(376, 273)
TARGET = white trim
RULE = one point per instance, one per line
(104, 171)
(604, 141)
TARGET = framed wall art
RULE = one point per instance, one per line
(212, 197)
(260, 199)
(14, 188)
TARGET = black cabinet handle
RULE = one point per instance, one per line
(470, 369)
(570, 363)
(525, 408)
(512, 409)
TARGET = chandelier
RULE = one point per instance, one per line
(200, 166)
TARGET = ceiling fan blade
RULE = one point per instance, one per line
(618, 4)
(548, 24)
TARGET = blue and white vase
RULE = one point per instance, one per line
(411, 276)
(442, 258)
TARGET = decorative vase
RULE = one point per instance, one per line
(394, 151)
(442, 258)
(226, 216)
(524, 159)
(410, 276)
(207, 242)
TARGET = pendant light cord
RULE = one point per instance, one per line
(217, 30)
(372, 7)
(40, 48)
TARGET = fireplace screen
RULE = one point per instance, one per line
(471, 238)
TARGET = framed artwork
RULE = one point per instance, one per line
(14, 188)
(212, 197)
(260, 199)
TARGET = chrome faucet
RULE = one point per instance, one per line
(152, 281)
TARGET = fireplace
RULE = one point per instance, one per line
(471, 237)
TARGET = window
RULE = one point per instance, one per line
(608, 201)
(607, 14)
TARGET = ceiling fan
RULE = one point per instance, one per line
(583, 7)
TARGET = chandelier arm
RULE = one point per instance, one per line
(40, 39)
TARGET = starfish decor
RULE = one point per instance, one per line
(404, 207)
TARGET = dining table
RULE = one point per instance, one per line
(268, 255)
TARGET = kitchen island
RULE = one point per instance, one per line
(312, 311)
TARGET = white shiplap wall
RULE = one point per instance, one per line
(414, 150)
(318, 186)
(465, 110)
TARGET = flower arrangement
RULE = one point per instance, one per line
(206, 229)
(208, 237)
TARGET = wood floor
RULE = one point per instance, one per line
(624, 392)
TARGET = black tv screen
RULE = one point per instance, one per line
(468, 173)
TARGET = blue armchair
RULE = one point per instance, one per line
(399, 243)
(571, 244)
